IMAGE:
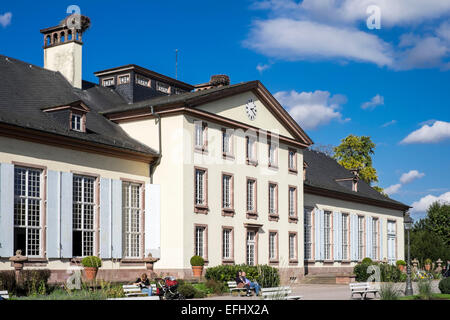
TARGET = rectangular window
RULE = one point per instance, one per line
(108, 82)
(251, 248)
(308, 212)
(162, 87)
(273, 155)
(143, 81)
(375, 238)
(251, 195)
(292, 247)
(392, 239)
(124, 79)
(227, 142)
(227, 193)
(200, 135)
(292, 202)
(327, 234)
(273, 246)
(251, 149)
(273, 199)
(76, 122)
(83, 216)
(200, 187)
(27, 211)
(132, 214)
(360, 237)
(345, 247)
(200, 242)
(292, 160)
(227, 243)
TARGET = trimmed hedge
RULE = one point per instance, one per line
(265, 275)
(8, 281)
(34, 282)
(388, 273)
(197, 261)
(444, 285)
(91, 262)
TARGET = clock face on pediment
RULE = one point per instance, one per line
(250, 109)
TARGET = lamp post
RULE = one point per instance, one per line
(408, 221)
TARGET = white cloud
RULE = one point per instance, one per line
(262, 67)
(373, 103)
(392, 189)
(437, 132)
(300, 40)
(423, 204)
(390, 123)
(5, 19)
(411, 176)
(312, 109)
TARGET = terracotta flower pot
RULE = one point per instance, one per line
(197, 270)
(401, 267)
(90, 273)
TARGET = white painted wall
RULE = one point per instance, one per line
(67, 59)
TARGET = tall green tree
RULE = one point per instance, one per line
(356, 153)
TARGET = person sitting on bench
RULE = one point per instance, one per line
(240, 282)
(144, 283)
(252, 285)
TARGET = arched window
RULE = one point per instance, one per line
(48, 40)
(62, 37)
(69, 35)
(55, 38)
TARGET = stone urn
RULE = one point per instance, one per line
(439, 265)
(149, 262)
(18, 261)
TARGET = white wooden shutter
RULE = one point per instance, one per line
(339, 235)
(381, 235)
(317, 241)
(105, 218)
(53, 214)
(153, 220)
(353, 238)
(335, 235)
(369, 236)
(6, 210)
(322, 235)
(116, 219)
(66, 214)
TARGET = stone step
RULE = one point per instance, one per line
(319, 279)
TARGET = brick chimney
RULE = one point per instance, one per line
(63, 48)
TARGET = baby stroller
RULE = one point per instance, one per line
(167, 289)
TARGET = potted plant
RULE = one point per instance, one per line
(91, 265)
(197, 264)
(428, 264)
(401, 265)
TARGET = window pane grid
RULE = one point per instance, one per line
(199, 241)
(327, 233)
(292, 202)
(226, 180)
(345, 236)
(360, 237)
(251, 245)
(308, 235)
(199, 187)
(250, 195)
(226, 249)
(272, 198)
(132, 214)
(292, 252)
(375, 239)
(84, 212)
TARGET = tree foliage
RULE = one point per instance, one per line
(356, 153)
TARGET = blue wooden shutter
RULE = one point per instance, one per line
(53, 213)
(381, 234)
(317, 234)
(339, 236)
(353, 239)
(335, 235)
(116, 219)
(105, 218)
(6, 210)
(322, 235)
(66, 214)
(152, 220)
(369, 237)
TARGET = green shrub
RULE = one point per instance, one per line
(187, 290)
(388, 292)
(197, 261)
(367, 260)
(216, 286)
(424, 287)
(34, 282)
(400, 263)
(444, 285)
(390, 273)
(265, 275)
(8, 281)
(428, 261)
(91, 262)
(360, 271)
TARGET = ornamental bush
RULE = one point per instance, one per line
(265, 275)
(367, 260)
(400, 263)
(388, 272)
(197, 261)
(444, 285)
(8, 281)
(91, 262)
(34, 282)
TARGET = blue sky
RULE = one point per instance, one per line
(318, 57)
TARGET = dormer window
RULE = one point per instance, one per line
(143, 81)
(124, 79)
(76, 122)
(162, 87)
(108, 82)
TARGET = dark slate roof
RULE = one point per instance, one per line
(25, 89)
(322, 171)
(181, 98)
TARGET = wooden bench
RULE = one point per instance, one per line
(4, 295)
(363, 288)
(278, 293)
(233, 287)
(132, 290)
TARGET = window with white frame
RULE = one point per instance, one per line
(292, 246)
(391, 242)
(292, 202)
(251, 247)
(272, 198)
(227, 148)
(327, 234)
(124, 79)
(200, 135)
(108, 82)
(308, 212)
(200, 241)
(360, 237)
(273, 154)
(143, 81)
(227, 201)
(345, 246)
(200, 187)
(162, 87)
(273, 243)
(132, 214)
(76, 122)
(27, 211)
(375, 238)
(83, 216)
(251, 195)
(292, 160)
(251, 148)
(227, 242)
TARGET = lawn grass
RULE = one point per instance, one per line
(435, 296)
(61, 294)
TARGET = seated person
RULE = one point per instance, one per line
(240, 282)
(144, 283)
(252, 285)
